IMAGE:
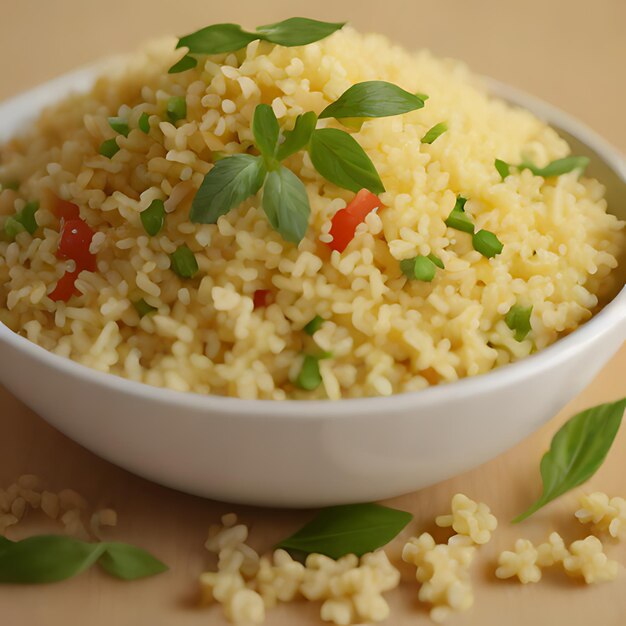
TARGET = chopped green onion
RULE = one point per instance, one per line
(459, 205)
(12, 228)
(186, 63)
(119, 125)
(143, 308)
(109, 148)
(518, 320)
(309, 377)
(22, 221)
(485, 242)
(557, 167)
(184, 262)
(144, 123)
(422, 96)
(436, 131)
(153, 217)
(504, 169)
(459, 220)
(419, 268)
(314, 325)
(176, 109)
(26, 217)
(437, 261)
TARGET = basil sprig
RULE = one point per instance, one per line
(338, 157)
(297, 138)
(348, 529)
(372, 98)
(554, 168)
(577, 451)
(52, 558)
(265, 129)
(295, 31)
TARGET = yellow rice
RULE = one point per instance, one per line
(387, 335)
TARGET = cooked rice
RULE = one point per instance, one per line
(387, 335)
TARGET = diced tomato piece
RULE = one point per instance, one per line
(75, 240)
(65, 210)
(262, 298)
(65, 288)
(346, 220)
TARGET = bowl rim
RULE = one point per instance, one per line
(612, 314)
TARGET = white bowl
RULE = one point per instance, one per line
(313, 453)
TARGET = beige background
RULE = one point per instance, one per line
(571, 53)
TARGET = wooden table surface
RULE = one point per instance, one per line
(569, 52)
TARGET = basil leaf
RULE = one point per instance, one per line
(129, 562)
(299, 137)
(183, 262)
(216, 39)
(286, 204)
(297, 31)
(436, 131)
(227, 185)
(186, 63)
(504, 169)
(338, 157)
(143, 308)
(4, 543)
(46, 559)
(349, 529)
(265, 128)
(373, 98)
(558, 167)
(119, 125)
(577, 451)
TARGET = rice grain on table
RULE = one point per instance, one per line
(386, 334)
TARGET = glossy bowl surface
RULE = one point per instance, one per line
(314, 453)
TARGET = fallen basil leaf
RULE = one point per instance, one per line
(577, 451)
(216, 39)
(129, 562)
(436, 131)
(558, 167)
(349, 529)
(286, 204)
(265, 129)
(297, 31)
(299, 137)
(46, 559)
(338, 157)
(186, 63)
(227, 185)
(373, 98)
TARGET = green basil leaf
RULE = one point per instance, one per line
(577, 451)
(299, 137)
(153, 218)
(518, 320)
(297, 31)
(119, 125)
(286, 204)
(46, 559)
(129, 562)
(27, 217)
(227, 185)
(338, 157)
(558, 167)
(265, 129)
(216, 39)
(143, 308)
(144, 123)
(504, 169)
(436, 131)
(349, 529)
(186, 63)
(373, 98)
(4, 543)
